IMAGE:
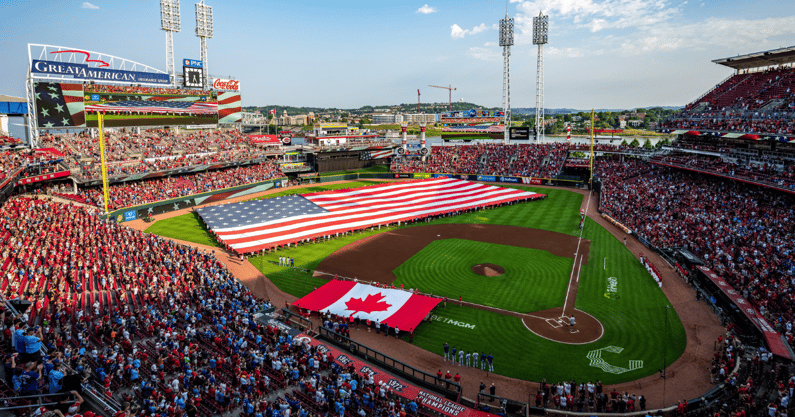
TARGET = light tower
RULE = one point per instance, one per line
(204, 30)
(170, 22)
(506, 40)
(540, 32)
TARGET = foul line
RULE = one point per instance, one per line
(577, 252)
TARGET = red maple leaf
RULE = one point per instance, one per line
(371, 303)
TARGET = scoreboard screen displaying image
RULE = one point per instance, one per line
(194, 77)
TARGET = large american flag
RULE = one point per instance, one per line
(262, 224)
(59, 105)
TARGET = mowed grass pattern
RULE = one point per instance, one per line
(187, 227)
(559, 212)
(533, 279)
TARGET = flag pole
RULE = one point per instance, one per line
(101, 128)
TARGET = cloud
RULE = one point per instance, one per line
(87, 5)
(634, 27)
(426, 9)
(597, 15)
(456, 32)
(483, 54)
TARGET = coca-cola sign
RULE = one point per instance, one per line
(220, 84)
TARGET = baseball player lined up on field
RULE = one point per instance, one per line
(446, 352)
(460, 357)
(454, 352)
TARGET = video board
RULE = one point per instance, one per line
(63, 105)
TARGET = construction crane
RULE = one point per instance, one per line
(418, 101)
(450, 90)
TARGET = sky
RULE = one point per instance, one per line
(347, 54)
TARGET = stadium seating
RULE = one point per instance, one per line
(753, 102)
(743, 232)
(531, 160)
(152, 190)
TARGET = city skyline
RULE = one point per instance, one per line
(601, 53)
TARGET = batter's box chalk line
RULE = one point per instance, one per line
(554, 323)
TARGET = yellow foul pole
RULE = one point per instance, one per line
(101, 128)
(590, 179)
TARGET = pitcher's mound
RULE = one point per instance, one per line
(488, 270)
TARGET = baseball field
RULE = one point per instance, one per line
(521, 270)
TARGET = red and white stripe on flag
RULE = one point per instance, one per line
(393, 307)
(370, 206)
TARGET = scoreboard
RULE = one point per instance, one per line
(192, 73)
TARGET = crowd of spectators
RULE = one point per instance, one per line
(543, 161)
(161, 328)
(752, 102)
(29, 162)
(121, 89)
(765, 174)
(128, 194)
(743, 232)
(152, 150)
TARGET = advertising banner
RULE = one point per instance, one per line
(520, 133)
(531, 181)
(486, 178)
(83, 72)
(44, 177)
(404, 176)
(222, 84)
(514, 180)
(130, 215)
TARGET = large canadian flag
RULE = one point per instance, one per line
(393, 307)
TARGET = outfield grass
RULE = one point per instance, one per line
(186, 227)
(533, 280)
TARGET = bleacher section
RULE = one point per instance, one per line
(758, 99)
(529, 160)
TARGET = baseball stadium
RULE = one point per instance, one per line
(160, 258)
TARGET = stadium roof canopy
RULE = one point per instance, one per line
(759, 59)
(15, 106)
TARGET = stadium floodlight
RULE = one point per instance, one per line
(169, 15)
(506, 31)
(540, 29)
(540, 38)
(506, 40)
(204, 30)
(170, 22)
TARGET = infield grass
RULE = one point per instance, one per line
(533, 280)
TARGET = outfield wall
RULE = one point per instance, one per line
(141, 211)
